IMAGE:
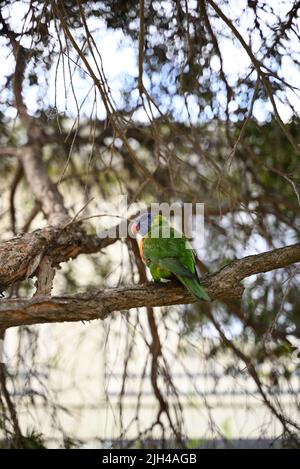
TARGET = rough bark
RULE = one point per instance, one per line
(226, 283)
(18, 255)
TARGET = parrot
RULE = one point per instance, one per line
(166, 252)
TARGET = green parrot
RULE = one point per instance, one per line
(167, 253)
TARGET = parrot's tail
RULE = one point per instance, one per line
(193, 285)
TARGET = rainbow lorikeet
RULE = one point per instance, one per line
(167, 253)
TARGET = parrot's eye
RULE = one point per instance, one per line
(138, 226)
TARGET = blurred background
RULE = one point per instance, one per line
(163, 101)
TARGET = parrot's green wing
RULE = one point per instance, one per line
(163, 242)
(173, 254)
(173, 265)
(171, 251)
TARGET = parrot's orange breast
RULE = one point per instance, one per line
(141, 248)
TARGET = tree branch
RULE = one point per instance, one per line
(17, 255)
(98, 305)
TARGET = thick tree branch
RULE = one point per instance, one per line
(84, 307)
(17, 255)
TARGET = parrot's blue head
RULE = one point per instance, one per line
(142, 224)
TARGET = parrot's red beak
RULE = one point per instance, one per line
(134, 229)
